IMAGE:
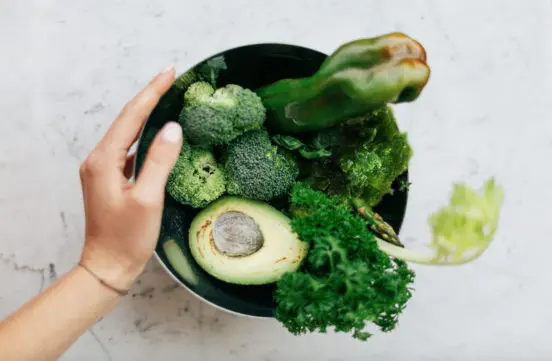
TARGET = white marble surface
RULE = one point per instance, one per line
(67, 67)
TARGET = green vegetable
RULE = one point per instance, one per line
(371, 154)
(462, 231)
(244, 242)
(196, 178)
(373, 166)
(377, 125)
(212, 117)
(375, 222)
(209, 70)
(350, 277)
(359, 77)
(331, 142)
(328, 138)
(291, 143)
(404, 185)
(314, 154)
(173, 233)
(346, 281)
(368, 154)
(173, 221)
(257, 169)
(198, 92)
(185, 80)
(288, 142)
(179, 262)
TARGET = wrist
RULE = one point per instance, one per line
(117, 274)
(101, 281)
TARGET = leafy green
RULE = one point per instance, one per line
(288, 142)
(462, 231)
(404, 185)
(346, 281)
(314, 154)
(328, 138)
(292, 143)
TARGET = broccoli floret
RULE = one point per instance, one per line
(257, 169)
(212, 117)
(198, 92)
(196, 178)
(368, 154)
(373, 167)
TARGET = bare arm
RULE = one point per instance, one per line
(122, 227)
(46, 326)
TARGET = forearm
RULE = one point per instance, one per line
(123, 219)
(45, 327)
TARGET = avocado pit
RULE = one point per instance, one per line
(235, 234)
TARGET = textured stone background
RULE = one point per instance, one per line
(67, 67)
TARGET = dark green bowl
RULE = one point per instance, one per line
(250, 66)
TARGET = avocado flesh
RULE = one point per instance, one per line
(179, 262)
(245, 242)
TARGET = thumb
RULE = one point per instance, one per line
(159, 162)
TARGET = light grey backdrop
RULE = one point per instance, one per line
(67, 67)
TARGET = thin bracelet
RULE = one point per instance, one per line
(118, 291)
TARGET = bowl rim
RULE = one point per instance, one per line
(156, 254)
(198, 296)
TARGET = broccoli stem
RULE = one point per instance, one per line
(424, 258)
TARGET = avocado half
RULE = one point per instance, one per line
(246, 242)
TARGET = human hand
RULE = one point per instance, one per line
(123, 219)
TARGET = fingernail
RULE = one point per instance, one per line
(170, 69)
(172, 132)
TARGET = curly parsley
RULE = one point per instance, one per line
(346, 281)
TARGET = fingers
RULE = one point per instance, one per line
(159, 162)
(128, 124)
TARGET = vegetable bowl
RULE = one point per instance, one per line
(291, 186)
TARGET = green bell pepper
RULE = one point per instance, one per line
(358, 77)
